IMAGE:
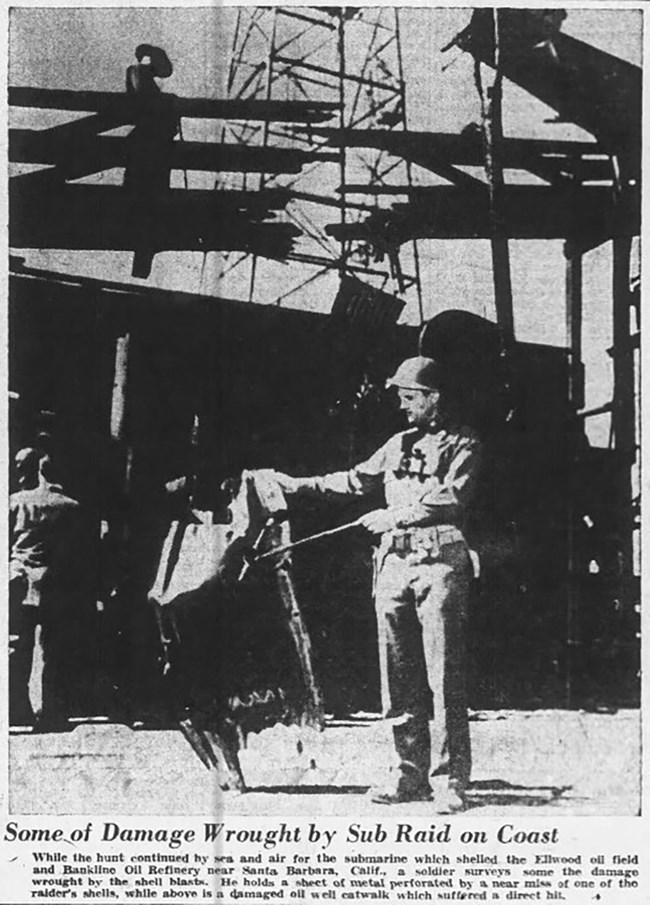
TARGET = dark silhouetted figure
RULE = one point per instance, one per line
(147, 171)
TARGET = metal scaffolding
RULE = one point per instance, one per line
(350, 58)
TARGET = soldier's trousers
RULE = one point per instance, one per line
(31, 673)
(421, 614)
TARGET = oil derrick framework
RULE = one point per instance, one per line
(350, 58)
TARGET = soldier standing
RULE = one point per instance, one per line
(423, 573)
(48, 557)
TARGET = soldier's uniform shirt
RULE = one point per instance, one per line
(48, 540)
(423, 572)
(44, 527)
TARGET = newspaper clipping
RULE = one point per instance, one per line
(323, 453)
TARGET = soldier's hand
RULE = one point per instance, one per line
(378, 521)
(287, 483)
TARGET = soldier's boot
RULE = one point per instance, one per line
(409, 781)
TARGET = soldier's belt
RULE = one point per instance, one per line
(425, 541)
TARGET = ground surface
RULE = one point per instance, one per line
(544, 762)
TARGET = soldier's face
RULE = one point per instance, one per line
(420, 406)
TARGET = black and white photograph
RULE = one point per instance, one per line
(324, 432)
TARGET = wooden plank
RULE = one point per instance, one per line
(128, 107)
(463, 148)
(104, 198)
(528, 212)
(92, 154)
(547, 158)
(109, 217)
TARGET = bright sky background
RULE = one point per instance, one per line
(81, 48)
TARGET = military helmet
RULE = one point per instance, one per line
(417, 373)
